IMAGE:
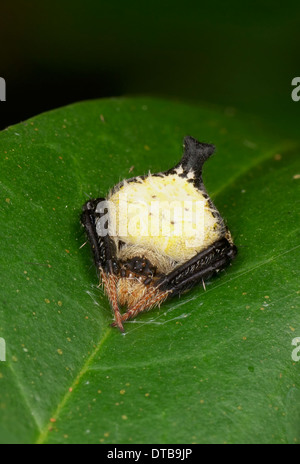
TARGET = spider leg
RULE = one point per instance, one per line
(104, 251)
(198, 269)
(152, 298)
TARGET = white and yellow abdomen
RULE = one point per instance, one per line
(166, 214)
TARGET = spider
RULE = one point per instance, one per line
(142, 265)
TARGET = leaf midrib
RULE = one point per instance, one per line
(45, 431)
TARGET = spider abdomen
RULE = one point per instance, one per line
(167, 214)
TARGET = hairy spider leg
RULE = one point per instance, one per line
(199, 268)
(110, 287)
(104, 251)
(152, 298)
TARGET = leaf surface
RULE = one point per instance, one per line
(210, 367)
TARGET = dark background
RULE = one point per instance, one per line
(230, 53)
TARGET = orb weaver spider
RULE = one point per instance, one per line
(141, 269)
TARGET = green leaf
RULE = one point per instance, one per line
(212, 366)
